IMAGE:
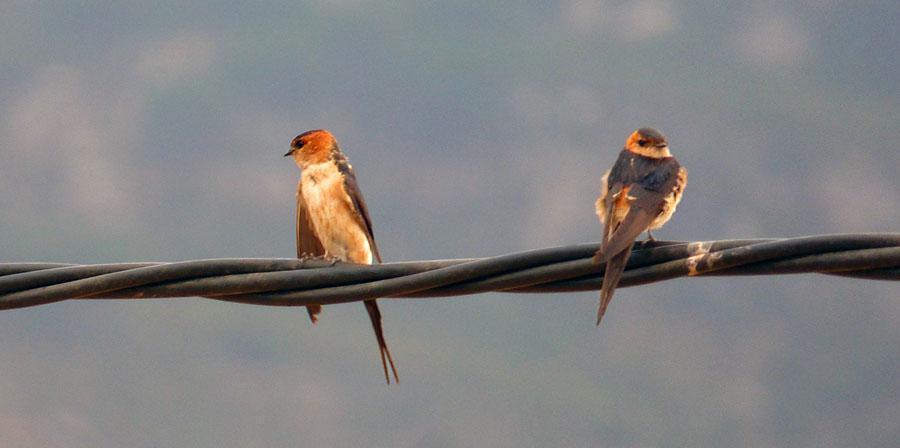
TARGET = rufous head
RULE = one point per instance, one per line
(648, 142)
(312, 147)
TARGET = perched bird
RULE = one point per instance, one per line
(332, 217)
(639, 193)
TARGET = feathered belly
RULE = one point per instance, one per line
(600, 205)
(619, 202)
(331, 213)
(671, 201)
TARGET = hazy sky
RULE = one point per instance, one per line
(137, 131)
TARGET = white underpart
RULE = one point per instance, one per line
(333, 215)
(600, 205)
(672, 201)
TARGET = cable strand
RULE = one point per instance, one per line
(293, 282)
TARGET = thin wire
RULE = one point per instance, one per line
(292, 282)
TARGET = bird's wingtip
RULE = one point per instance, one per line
(600, 312)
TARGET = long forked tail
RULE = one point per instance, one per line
(615, 267)
(375, 317)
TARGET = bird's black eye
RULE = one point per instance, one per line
(642, 142)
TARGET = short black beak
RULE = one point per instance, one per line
(290, 153)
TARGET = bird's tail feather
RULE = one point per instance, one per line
(615, 267)
(314, 311)
(375, 317)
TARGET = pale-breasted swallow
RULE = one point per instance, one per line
(332, 217)
(639, 193)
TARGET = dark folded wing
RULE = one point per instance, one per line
(359, 203)
(635, 223)
(307, 242)
(647, 198)
(610, 223)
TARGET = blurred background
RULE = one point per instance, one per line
(154, 131)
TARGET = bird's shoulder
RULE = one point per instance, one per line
(651, 173)
(663, 177)
(343, 164)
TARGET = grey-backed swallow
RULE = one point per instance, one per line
(333, 219)
(638, 194)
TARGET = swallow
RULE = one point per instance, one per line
(638, 194)
(333, 219)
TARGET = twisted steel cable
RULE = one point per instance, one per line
(292, 282)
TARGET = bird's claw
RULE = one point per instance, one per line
(332, 260)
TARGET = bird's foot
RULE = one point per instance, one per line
(332, 260)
